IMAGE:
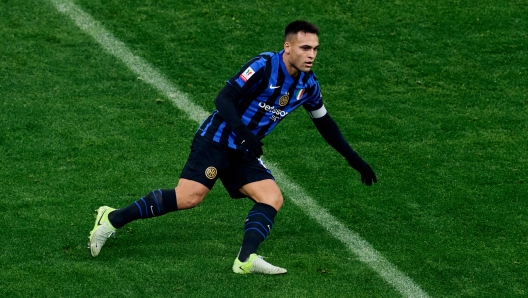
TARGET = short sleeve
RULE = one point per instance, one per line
(249, 76)
(315, 101)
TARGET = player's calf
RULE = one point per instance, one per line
(257, 227)
(156, 203)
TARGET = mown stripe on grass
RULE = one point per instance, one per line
(365, 252)
(138, 66)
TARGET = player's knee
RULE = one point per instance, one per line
(279, 201)
(190, 194)
(275, 200)
(189, 200)
(194, 200)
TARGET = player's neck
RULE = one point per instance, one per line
(292, 70)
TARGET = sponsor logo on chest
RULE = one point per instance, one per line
(276, 114)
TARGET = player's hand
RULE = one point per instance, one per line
(248, 141)
(367, 174)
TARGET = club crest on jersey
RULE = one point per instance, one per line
(284, 100)
(299, 94)
(247, 74)
(210, 172)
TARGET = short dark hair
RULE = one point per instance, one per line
(300, 26)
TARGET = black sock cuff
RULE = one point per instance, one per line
(266, 209)
(169, 199)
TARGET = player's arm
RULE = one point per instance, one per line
(225, 103)
(234, 90)
(329, 130)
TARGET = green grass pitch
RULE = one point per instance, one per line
(433, 94)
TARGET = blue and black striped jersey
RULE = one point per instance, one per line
(269, 94)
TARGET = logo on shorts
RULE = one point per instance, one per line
(211, 172)
(284, 100)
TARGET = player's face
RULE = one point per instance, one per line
(299, 52)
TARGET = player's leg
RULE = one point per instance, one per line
(261, 217)
(156, 203)
(248, 177)
(195, 182)
(108, 220)
(190, 193)
(187, 194)
(258, 224)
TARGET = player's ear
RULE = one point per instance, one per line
(287, 47)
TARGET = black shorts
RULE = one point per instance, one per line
(209, 161)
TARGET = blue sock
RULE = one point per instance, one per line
(256, 229)
(156, 203)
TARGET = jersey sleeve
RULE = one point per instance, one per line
(249, 76)
(314, 105)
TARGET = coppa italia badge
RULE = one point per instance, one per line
(210, 172)
(284, 100)
(247, 74)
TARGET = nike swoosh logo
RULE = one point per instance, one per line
(274, 87)
(152, 209)
(99, 221)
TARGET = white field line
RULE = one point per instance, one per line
(364, 251)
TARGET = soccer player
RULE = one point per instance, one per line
(227, 146)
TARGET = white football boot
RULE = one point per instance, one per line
(256, 264)
(102, 230)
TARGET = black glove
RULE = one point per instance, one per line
(248, 141)
(367, 174)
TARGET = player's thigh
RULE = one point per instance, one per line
(200, 172)
(264, 191)
(243, 170)
(190, 193)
